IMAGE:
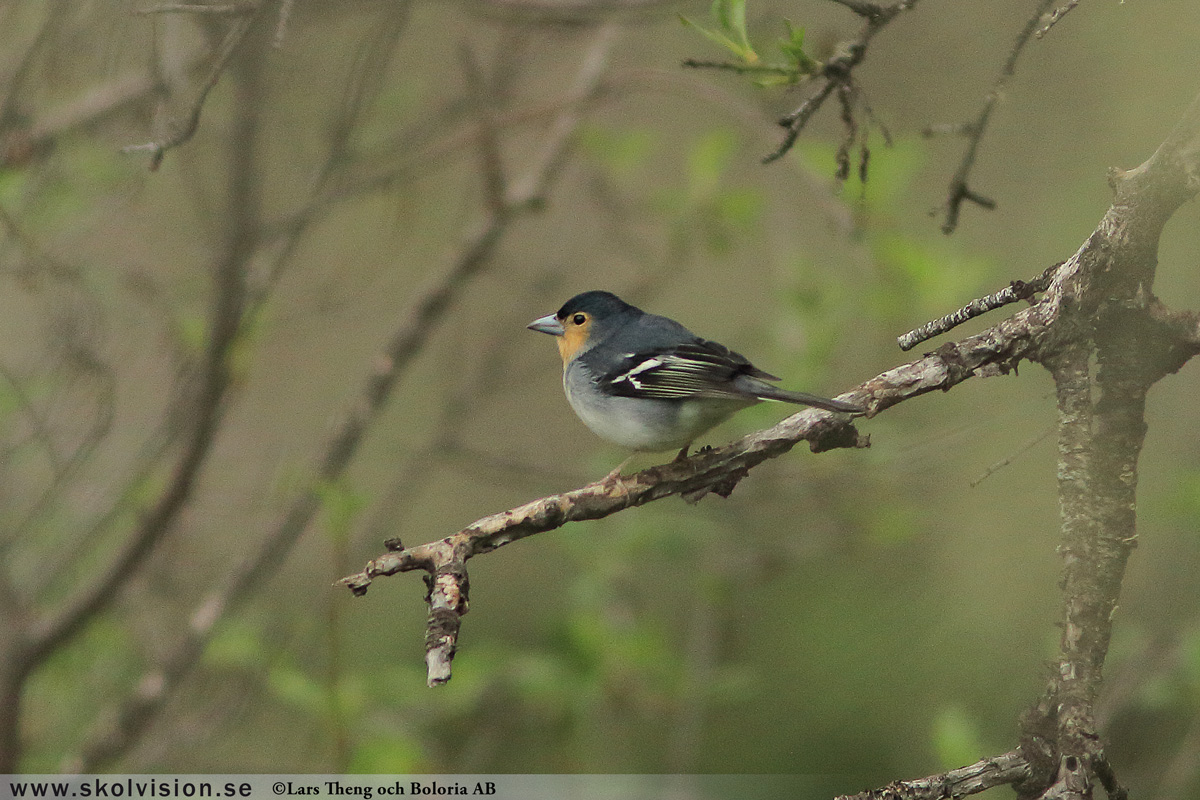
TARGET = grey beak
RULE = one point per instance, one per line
(547, 324)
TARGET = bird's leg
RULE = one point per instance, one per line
(683, 453)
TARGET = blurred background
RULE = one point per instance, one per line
(866, 615)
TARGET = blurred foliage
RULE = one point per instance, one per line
(867, 615)
(729, 32)
(956, 738)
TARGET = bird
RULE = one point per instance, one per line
(647, 383)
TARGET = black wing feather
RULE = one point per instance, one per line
(696, 369)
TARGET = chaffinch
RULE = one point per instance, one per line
(647, 383)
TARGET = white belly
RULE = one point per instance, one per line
(649, 425)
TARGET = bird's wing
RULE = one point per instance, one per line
(694, 369)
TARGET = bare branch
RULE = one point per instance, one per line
(281, 25)
(39, 428)
(560, 115)
(795, 121)
(491, 164)
(716, 471)
(1054, 16)
(959, 186)
(988, 773)
(129, 720)
(1007, 460)
(191, 123)
(739, 68)
(225, 324)
(528, 190)
(1014, 292)
(55, 16)
(216, 9)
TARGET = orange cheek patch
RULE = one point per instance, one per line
(573, 339)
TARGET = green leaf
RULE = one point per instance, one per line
(731, 14)
(793, 48)
(749, 56)
(730, 17)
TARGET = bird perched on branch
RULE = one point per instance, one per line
(647, 383)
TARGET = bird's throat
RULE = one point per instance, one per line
(571, 340)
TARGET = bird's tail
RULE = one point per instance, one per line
(767, 392)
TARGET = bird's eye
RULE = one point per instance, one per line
(579, 319)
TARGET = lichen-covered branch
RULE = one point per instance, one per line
(1116, 340)
(1014, 292)
(1003, 770)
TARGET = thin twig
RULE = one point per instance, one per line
(1015, 291)
(82, 452)
(1054, 17)
(1007, 460)
(281, 25)
(795, 121)
(741, 69)
(937, 129)
(39, 425)
(44, 263)
(191, 123)
(216, 9)
(356, 181)
(491, 164)
(55, 16)
(366, 78)
(959, 185)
